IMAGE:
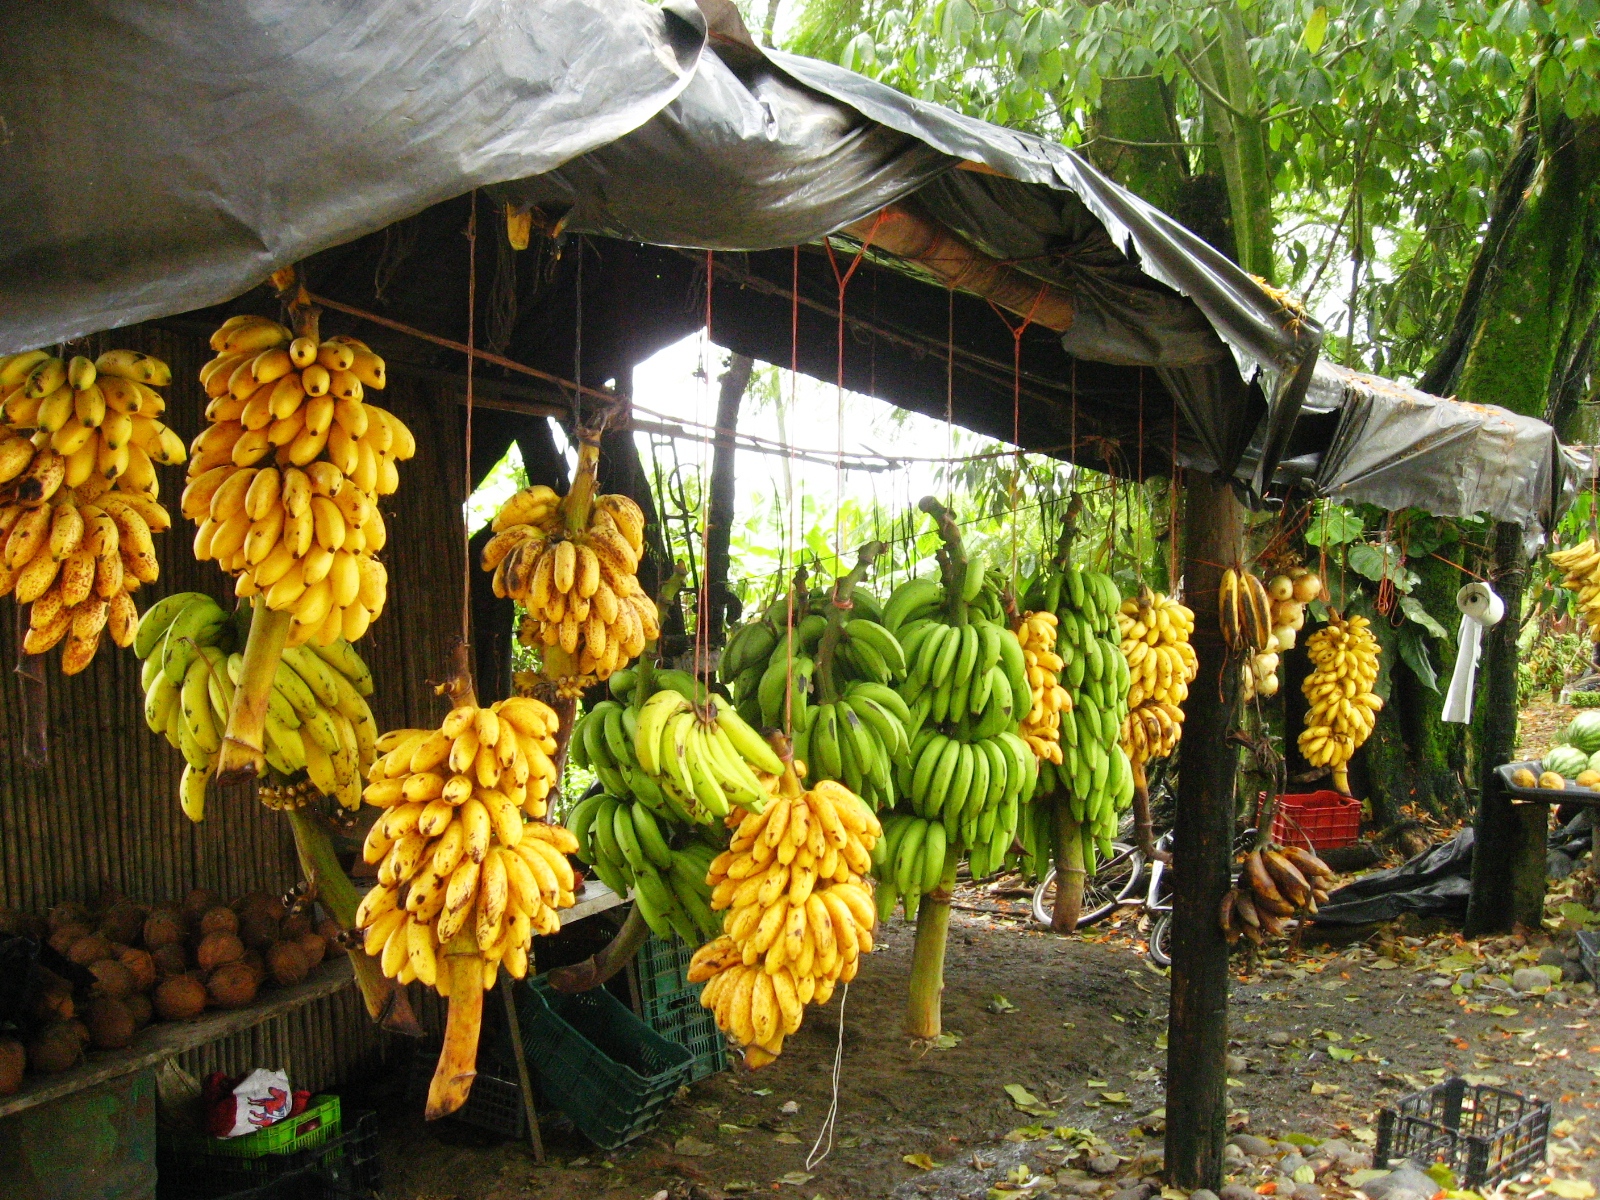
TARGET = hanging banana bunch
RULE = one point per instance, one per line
(1344, 708)
(1041, 728)
(1276, 883)
(1161, 665)
(464, 881)
(799, 912)
(284, 480)
(573, 563)
(78, 494)
(1580, 567)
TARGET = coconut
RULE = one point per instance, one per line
(294, 926)
(139, 1008)
(313, 946)
(21, 924)
(53, 1002)
(61, 940)
(111, 1025)
(257, 965)
(287, 963)
(163, 927)
(258, 929)
(140, 965)
(232, 985)
(13, 1061)
(218, 948)
(219, 920)
(55, 1048)
(170, 960)
(199, 902)
(70, 913)
(111, 978)
(90, 949)
(332, 942)
(258, 903)
(180, 998)
(123, 923)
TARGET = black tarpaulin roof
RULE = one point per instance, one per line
(199, 148)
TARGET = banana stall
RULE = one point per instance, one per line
(276, 361)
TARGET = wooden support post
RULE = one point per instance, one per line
(1197, 1031)
(1508, 861)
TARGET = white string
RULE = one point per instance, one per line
(832, 1118)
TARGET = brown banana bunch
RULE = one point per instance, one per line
(284, 481)
(452, 847)
(1344, 708)
(799, 913)
(1041, 728)
(1580, 567)
(1155, 632)
(78, 494)
(573, 563)
(1274, 884)
(1245, 610)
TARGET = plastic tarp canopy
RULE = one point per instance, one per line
(200, 147)
(1397, 447)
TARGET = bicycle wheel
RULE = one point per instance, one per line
(1116, 880)
(1161, 941)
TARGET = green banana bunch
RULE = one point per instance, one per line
(702, 766)
(630, 848)
(857, 740)
(1094, 778)
(909, 861)
(318, 721)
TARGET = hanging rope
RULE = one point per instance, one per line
(466, 495)
(831, 1120)
(843, 282)
(1016, 411)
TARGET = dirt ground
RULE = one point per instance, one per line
(1541, 726)
(1321, 1042)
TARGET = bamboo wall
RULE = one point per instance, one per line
(104, 813)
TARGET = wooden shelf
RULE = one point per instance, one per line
(157, 1043)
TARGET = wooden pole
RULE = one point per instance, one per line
(1508, 861)
(1197, 1031)
(719, 519)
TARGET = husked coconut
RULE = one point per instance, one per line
(111, 978)
(232, 985)
(111, 1025)
(180, 998)
(219, 920)
(140, 965)
(286, 963)
(216, 949)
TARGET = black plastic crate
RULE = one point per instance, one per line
(495, 1101)
(1485, 1135)
(345, 1168)
(608, 1071)
(670, 1005)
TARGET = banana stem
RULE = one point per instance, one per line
(666, 596)
(1070, 870)
(1144, 832)
(923, 1004)
(600, 967)
(841, 604)
(789, 786)
(386, 1003)
(579, 502)
(952, 558)
(458, 1059)
(1341, 780)
(241, 758)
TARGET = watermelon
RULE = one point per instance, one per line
(1584, 732)
(1566, 760)
(1594, 761)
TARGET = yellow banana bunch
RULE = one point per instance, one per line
(1155, 632)
(78, 493)
(1041, 728)
(1344, 657)
(573, 563)
(1580, 566)
(799, 913)
(452, 848)
(1246, 612)
(284, 481)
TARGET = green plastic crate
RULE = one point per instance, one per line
(319, 1123)
(609, 1072)
(670, 1005)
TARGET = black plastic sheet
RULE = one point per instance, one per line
(1436, 883)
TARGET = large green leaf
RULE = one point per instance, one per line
(1333, 525)
(1414, 651)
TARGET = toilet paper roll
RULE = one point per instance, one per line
(1480, 609)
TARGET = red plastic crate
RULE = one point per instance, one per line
(1322, 820)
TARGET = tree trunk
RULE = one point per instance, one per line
(1197, 1032)
(1438, 752)
(719, 520)
(1227, 82)
(1137, 141)
(1509, 853)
